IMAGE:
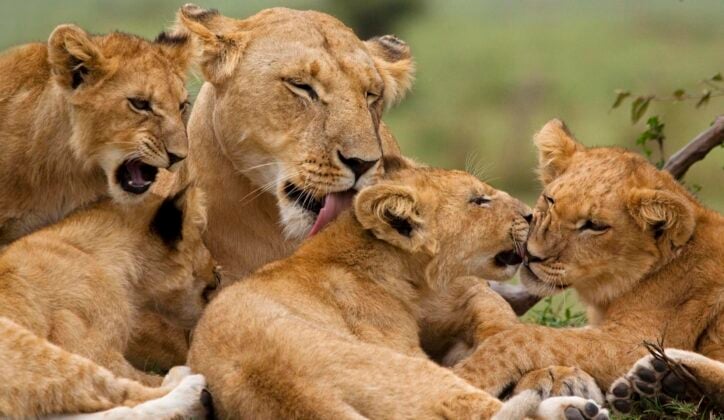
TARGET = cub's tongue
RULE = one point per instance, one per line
(135, 170)
(334, 204)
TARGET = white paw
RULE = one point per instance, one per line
(570, 408)
(184, 402)
(175, 375)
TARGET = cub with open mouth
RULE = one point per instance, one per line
(86, 116)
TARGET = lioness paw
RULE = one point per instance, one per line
(175, 376)
(183, 402)
(651, 377)
(570, 408)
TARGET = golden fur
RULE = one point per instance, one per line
(67, 125)
(252, 130)
(333, 330)
(637, 247)
(79, 284)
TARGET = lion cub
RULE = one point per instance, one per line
(332, 331)
(87, 116)
(70, 293)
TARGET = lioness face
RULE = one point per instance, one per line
(299, 99)
(464, 224)
(128, 103)
(605, 219)
(182, 277)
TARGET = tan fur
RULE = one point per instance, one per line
(653, 270)
(79, 285)
(250, 132)
(61, 146)
(333, 331)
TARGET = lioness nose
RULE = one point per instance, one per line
(358, 166)
(528, 217)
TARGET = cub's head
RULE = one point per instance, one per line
(465, 226)
(180, 277)
(606, 218)
(298, 101)
(127, 102)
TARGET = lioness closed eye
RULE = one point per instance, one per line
(85, 116)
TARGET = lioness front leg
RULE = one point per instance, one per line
(673, 374)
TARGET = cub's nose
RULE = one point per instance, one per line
(528, 217)
(358, 166)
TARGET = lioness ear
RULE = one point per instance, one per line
(392, 214)
(221, 42)
(669, 217)
(74, 57)
(168, 221)
(556, 146)
(394, 62)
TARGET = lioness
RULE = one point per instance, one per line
(83, 117)
(642, 253)
(284, 131)
(79, 284)
(332, 331)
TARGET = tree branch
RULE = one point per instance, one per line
(697, 149)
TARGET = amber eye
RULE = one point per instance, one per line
(549, 200)
(301, 89)
(480, 200)
(593, 226)
(139, 104)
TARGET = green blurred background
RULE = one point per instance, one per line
(491, 73)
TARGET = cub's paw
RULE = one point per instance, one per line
(557, 381)
(175, 375)
(186, 401)
(659, 375)
(571, 408)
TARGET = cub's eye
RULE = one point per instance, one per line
(301, 89)
(139, 104)
(549, 200)
(480, 200)
(372, 98)
(593, 226)
(184, 106)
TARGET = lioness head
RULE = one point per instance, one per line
(127, 102)
(180, 275)
(466, 226)
(606, 218)
(298, 101)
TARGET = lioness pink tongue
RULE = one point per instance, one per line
(334, 204)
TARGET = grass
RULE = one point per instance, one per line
(564, 310)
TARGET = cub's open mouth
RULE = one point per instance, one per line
(506, 258)
(135, 176)
(326, 209)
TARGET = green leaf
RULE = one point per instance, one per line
(620, 96)
(717, 77)
(679, 94)
(706, 95)
(638, 108)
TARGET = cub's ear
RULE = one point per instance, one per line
(392, 214)
(168, 222)
(670, 218)
(179, 48)
(221, 41)
(394, 62)
(74, 57)
(556, 146)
